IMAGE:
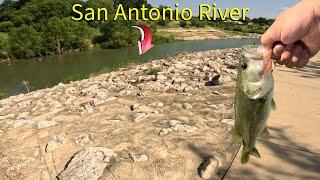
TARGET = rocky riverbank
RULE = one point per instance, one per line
(158, 120)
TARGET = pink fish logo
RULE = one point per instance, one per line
(145, 44)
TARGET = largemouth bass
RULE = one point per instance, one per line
(254, 100)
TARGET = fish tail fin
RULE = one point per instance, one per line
(246, 155)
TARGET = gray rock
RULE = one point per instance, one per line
(46, 123)
(88, 164)
(138, 157)
(209, 167)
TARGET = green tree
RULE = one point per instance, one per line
(6, 26)
(36, 12)
(24, 42)
(117, 34)
(65, 34)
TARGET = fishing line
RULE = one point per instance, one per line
(234, 157)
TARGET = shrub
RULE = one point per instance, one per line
(6, 26)
(24, 42)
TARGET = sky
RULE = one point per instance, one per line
(258, 8)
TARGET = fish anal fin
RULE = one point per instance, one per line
(273, 105)
(264, 135)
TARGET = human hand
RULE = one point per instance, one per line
(295, 35)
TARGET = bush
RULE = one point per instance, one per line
(6, 26)
(158, 39)
(2, 95)
(24, 42)
(183, 24)
(3, 48)
(197, 23)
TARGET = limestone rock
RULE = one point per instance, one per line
(46, 123)
(88, 164)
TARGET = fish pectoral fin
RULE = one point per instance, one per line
(264, 135)
(273, 105)
(255, 153)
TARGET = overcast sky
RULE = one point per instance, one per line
(258, 8)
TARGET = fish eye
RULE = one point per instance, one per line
(244, 66)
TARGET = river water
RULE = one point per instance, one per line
(74, 66)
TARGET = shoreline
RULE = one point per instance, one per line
(137, 111)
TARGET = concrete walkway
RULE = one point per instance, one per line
(293, 150)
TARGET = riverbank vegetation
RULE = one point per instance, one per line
(35, 28)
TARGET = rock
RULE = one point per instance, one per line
(205, 69)
(165, 131)
(161, 78)
(178, 127)
(24, 104)
(134, 107)
(157, 104)
(178, 80)
(229, 122)
(54, 143)
(196, 72)
(46, 123)
(209, 167)
(216, 93)
(83, 140)
(23, 115)
(138, 117)
(9, 116)
(18, 123)
(187, 106)
(214, 106)
(138, 157)
(88, 164)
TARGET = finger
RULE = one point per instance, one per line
(296, 57)
(286, 55)
(273, 34)
(267, 56)
(277, 51)
(304, 59)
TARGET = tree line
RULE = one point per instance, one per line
(33, 28)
